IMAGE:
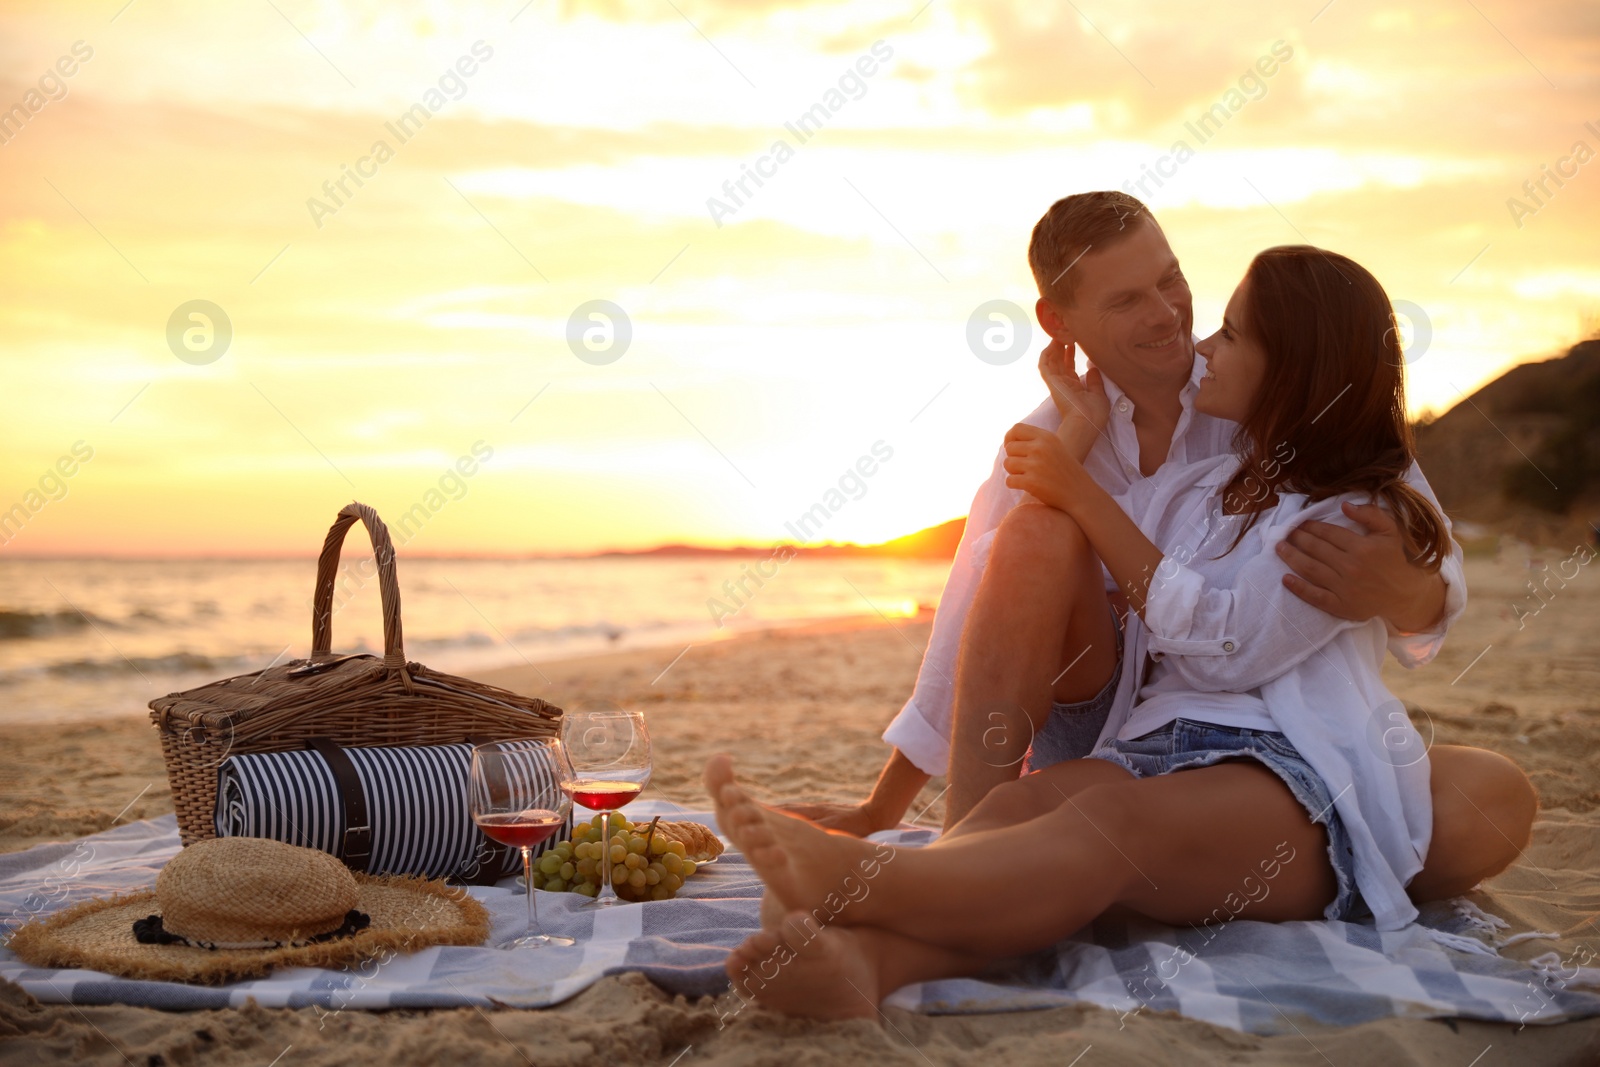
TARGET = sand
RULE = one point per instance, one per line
(802, 710)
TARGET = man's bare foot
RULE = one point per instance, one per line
(798, 970)
(802, 865)
(851, 819)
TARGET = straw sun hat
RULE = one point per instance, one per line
(233, 908)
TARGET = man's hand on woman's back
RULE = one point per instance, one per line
(1361, 575)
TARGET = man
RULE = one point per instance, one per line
(1024, 651)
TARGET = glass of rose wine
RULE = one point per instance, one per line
(518, 798)
(609, 752)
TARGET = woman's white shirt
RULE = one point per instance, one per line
(1229, 644)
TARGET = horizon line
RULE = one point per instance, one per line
(662, 548)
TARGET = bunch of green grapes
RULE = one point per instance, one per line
(644, 866)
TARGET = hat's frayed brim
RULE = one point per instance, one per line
(408, 914)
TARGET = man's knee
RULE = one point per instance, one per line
(1040, 535)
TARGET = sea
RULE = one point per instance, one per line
(83, 639)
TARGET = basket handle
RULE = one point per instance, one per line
(394, 654)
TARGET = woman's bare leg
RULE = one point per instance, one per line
(1179, 848)
(795, 966)
(1483, 812)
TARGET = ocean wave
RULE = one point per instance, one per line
(21, 625)
(31, 625)
(473, 639)
(611, 631)
(468, 640)
(171, 663)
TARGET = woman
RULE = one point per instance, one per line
(1263, 773)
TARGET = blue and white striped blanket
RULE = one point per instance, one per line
(1256, 977)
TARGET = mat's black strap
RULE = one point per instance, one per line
(490, 856)
(356, 849)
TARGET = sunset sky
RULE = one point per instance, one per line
(382, 331)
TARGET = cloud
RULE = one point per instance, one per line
(1433, 73)
(833, 306)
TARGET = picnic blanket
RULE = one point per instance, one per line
(1255, 977)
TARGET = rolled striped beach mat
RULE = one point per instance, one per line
(413, 802)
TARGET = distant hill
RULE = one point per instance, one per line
(1523, 452)
(936, 542)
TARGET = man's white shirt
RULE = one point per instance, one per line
(923, 727)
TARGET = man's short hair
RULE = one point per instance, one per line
(1073, 225)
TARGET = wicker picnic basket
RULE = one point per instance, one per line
(353, 701)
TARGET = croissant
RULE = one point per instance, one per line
(698, 840)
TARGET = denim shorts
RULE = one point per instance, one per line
(1072, 729)
(1183, 743)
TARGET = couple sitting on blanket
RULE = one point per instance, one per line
(1218, 744)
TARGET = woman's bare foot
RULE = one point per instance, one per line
(804, 867)
(798, 970)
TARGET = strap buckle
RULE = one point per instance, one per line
(357, 848)
(357, 842)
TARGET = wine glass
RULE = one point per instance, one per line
(518, 799)
(609, 752)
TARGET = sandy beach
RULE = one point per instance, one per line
(802, 710)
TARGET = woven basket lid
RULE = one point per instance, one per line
(243, 890)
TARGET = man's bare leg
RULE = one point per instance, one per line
(1483, 812)
(1038, 630)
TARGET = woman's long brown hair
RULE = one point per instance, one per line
(1333, 394)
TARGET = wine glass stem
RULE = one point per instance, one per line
(527, 874)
